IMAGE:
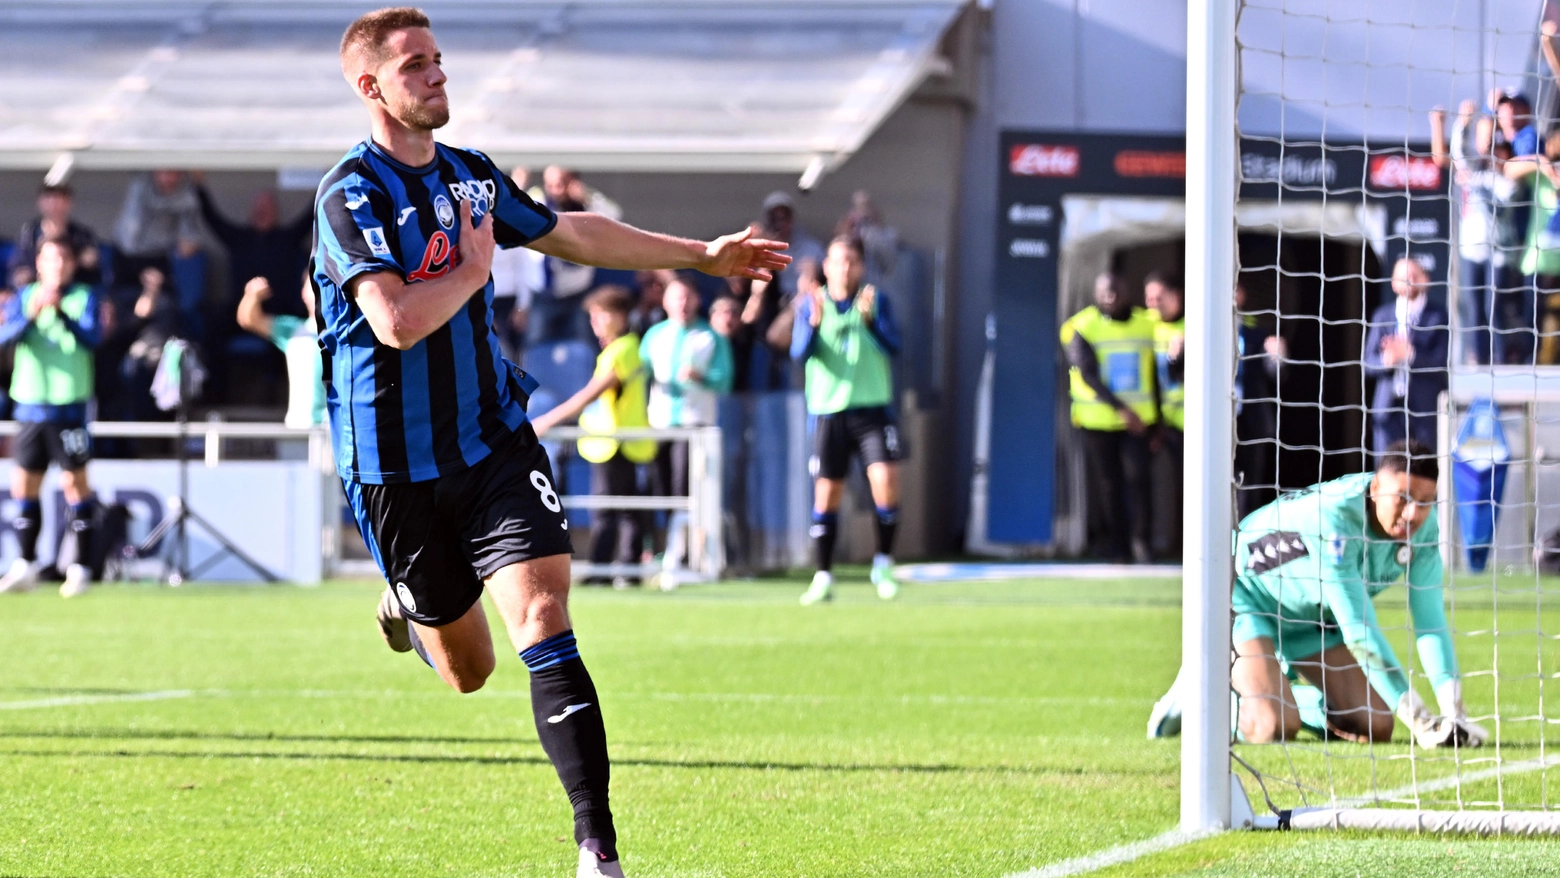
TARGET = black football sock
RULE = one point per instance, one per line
(887, 526)
(81, 527)
(27, 524)
(825, 528)
(568, 721)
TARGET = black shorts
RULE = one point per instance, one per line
(870, 433)
(437, 540)
(65, 443)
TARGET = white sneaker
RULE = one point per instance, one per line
(592, 866)
(883, 577)
(77, 580)
(669, 579)
(1164, 721)
(23, 576)
(822, 589)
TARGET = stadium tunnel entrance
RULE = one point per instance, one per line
(1314, 253)
(1313, 291)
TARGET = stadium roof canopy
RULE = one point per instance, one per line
(703, 85)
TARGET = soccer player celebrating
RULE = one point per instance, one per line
(1307, 568)
(451, 490)
(53, 323)
(844, 334)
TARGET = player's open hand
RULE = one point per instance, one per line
(815, 305)
(476, 240)
(42, 299)
(1395, 349)
(742, 255)
(1275, 346)
(866, 300)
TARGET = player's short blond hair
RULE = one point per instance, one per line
(365, 38)
(610, 297)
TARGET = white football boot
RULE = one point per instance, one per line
(592, 866)
(883, 577)
(77, 580)
(822, 589)
(23, 576)
(1164, 721)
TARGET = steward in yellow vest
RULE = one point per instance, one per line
(1167, 308)
(1110, 348)
(1115, 408)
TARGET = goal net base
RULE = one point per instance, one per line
(1515, 823)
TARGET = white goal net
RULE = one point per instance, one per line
(1399, 281)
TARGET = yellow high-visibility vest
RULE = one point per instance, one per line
(1125, 349)
(1172, 393)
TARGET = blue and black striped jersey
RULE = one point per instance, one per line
(444, 404)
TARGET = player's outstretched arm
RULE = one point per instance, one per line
(592, 239)
(1433, 636)
(403, 314)
(572, 407)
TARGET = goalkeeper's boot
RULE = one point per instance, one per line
(822, 589)
(593, 866)
(883, 577)
(392, 625)
(23, 576)
(77, 580)
(1164, 721)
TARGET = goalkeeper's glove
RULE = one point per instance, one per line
(1449, 696)
(1431, 731)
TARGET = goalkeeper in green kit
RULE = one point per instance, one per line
(1307, 567)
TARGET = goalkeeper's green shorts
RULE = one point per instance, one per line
(1257, 615)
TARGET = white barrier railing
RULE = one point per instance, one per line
(704, 505)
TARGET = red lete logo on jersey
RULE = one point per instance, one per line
(438, 258)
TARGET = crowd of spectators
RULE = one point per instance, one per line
(151, 274)
(667, 344)
(1505, 184)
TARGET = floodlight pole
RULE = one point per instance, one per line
(1212, 153)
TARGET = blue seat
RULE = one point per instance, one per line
(563, 368)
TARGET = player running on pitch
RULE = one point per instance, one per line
(843, 335)
(1307, 568)
(451, 490)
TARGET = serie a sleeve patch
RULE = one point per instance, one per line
(1274, 550)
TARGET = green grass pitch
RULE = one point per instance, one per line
(965, 730)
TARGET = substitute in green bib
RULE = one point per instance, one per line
(1115, 408)
(1166, 301)
(1308, 567)
(844, 335)
(613, 400)
(54, 326)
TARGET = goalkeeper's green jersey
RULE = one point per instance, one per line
(1311, 558)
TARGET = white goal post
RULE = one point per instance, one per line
(1212, 154)
(1497, 620)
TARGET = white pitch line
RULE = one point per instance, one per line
(1128, 852)
(71, 700)
(1451, 781)
(1114, 856)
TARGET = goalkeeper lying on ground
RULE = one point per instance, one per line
(1307, 567)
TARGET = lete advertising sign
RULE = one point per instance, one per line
(1413, 172)
(1043, 160)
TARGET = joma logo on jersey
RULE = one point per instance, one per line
(438, 258)
(480, 193)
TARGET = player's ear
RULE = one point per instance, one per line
(368, 86)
